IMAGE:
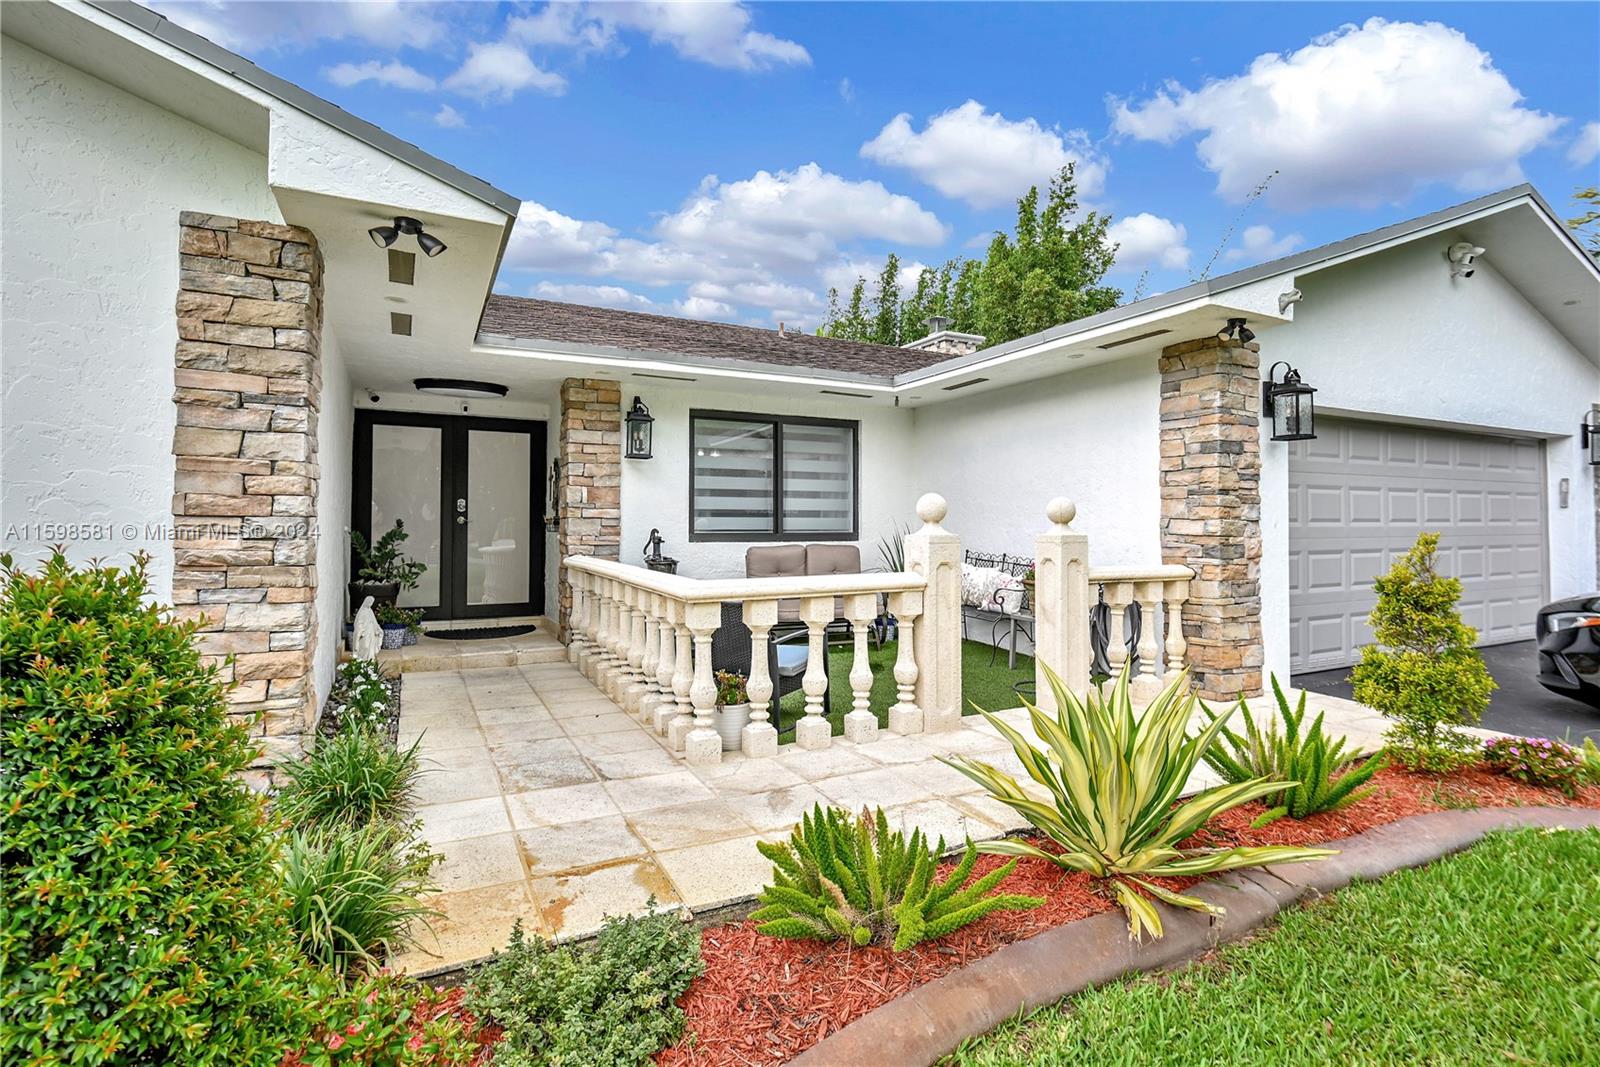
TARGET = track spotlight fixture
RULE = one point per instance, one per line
(384, 236)
(1462, 256)
(1239, 331)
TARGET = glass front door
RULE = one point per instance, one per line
(469, 492)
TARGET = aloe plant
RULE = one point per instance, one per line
(1113, 777)
(843, 876)
(1306, 756)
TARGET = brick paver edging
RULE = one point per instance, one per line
(931, 1020)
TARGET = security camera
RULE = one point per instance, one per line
(373, 397)
(1462, 255)
(1289, 300)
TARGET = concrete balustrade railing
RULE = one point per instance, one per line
(644, 638)
(1160, 591)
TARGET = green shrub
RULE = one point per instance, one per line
(1537, 761)
(852, 877)
(1424, 673)
(608, 1006)
(143, 921)
(1589, 755)
(354, 777)
(1115, 777)
(1308, 757)
(383, 1020)
(354, 892)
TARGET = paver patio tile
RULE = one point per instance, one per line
(439, 712)
(936, 818)
(700, 823)
(529, 712)
(877, 788)
(707, 875)
(829, 762)
(891, 750)
(509, 733)
(474, 923)
(738, 774)
(563, 708)
(475, 758)
(779, 809)
(568, 681)
(577, 902)
(548, 850)
(965, 742)
(657, 791)
(564, 804)
(527, 765)
(636, 764)
(608, 722)
(464, 818)
(501, 696)
(472, 862)
(990, 810)
(442, 787)
(437, 738)
(640, 740)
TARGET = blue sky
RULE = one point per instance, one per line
(732, 162)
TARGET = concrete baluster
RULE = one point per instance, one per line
(860, 724)
(1061, 604)
(935, 554)
(702, 746)
(905, 717)
(814, 731)
(759, 738)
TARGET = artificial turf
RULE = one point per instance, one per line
(990, 687)
(1487, 957)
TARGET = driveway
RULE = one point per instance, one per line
(1520, 706)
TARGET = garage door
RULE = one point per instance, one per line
(1361, 492)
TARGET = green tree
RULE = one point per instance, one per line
(1586, 226)
(1423, 673)
(1047, 272)
(143, 920)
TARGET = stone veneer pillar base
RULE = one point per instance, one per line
(1211, 506)
(248, 385)
(590, 482)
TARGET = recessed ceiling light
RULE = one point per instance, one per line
(461, 387)
(1569, 303)
(1076, 355)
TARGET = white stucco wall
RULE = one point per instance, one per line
(655, 492)
(1091, 435)
(1393, 336)
(93, 182)
(335, 426)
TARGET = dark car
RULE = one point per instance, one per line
(1568, 634)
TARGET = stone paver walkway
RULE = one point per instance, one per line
(551, 805)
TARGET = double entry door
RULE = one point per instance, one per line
(470, 495)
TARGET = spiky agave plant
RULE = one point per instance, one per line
(843, 876)
(1113, 778)
(1307, 757)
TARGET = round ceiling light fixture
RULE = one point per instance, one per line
(384, 236)
(461, 387)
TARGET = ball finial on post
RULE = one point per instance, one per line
(1060, 511)
(931, 508)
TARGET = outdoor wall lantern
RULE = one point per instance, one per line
(1289, 405)
(639, 430)
(1590, 429)
(384, 236)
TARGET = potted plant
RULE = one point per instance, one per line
(733, 708)
(383, 571)
(401, 626)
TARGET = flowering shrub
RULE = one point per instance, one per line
(1536, 761)
(388, 1021)
(360, 696)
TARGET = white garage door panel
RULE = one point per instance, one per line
(1361, 492)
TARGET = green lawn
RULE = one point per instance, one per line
(988, 687)
(1490, 957)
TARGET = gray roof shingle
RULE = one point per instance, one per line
(527, 319)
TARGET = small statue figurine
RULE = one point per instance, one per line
(368, 635)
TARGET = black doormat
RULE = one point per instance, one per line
(481, 633)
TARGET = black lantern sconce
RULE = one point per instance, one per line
(639, 430)
(1289, 405)
(1590, 431)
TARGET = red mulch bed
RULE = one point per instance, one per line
(763, 1000)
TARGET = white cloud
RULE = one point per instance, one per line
(394, 74)
(449, 118)
(984, 158)
(498, 71)
(605, 296)
(1258, 244)
(701, 307)
(1146, 240)
(717, 34)
(256, 25)
(1361, 116)
(1586, 146)
(847, 91)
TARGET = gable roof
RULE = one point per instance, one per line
(516, 317)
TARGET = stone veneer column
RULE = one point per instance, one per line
(590, 505)
(249, 383)
(1211, 506)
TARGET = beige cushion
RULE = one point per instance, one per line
(833, 559)
(775, 561)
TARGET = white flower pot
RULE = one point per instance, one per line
(731, 721)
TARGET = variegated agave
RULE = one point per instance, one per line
(840, 876)
(1113, 777)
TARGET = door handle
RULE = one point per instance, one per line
(461, 520)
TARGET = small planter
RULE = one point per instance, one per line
(411, 636)
(394, 636)
(731, 721)
(380, 592)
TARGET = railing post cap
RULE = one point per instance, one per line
(932, 508)
(1060, 511)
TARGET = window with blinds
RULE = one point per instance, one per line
(771, 478)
